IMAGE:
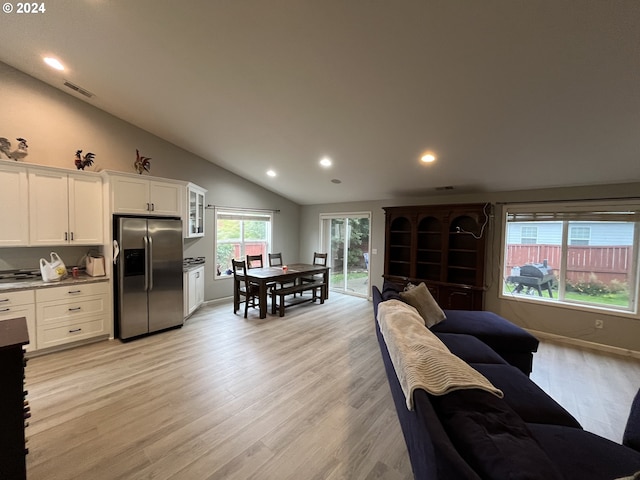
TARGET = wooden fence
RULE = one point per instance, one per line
(583, 262)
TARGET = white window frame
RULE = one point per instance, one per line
(573, 238)
(243, 215)
(627, 211)
(533, 237)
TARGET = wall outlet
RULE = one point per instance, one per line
(599, 323)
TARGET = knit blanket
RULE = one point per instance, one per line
(420, 359)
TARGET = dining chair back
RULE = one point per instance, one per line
(244, 288)
(254, 261)
(275, 260)
(320, 259)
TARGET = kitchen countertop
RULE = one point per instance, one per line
(31, 283)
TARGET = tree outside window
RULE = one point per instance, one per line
(238, 234)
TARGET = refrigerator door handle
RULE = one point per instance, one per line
(145, 239)
(151, 263)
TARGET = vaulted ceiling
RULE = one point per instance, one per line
(507, 94)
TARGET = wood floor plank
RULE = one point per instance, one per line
(302, 396)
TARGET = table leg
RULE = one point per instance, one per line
(236, 295)
(262, 297)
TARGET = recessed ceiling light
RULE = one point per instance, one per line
(428, 158)
(326, 162)
(53, 63)
(271, 173)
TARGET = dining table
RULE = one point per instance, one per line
(266, 276)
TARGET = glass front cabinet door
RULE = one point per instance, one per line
(194, 224)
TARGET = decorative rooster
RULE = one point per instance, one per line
(85, 161)
(142, 163)
(19, 153)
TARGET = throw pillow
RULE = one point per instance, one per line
(420, 298)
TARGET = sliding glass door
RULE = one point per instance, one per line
(345, 237)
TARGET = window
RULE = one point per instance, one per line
(579, 235)
(240, 233)
(529, 235)
(580, 254)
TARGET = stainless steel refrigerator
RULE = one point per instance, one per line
(149, 275)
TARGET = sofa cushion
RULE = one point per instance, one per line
(526, 398)
(421, 299)
(469, 348)
(497, 332)
(584, 455)
(631, 436)
(491, 437)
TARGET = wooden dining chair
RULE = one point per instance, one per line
(254, 261)
(245, 289)
(275, 259)
(318, 259)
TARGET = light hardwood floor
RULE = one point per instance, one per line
(303, 396)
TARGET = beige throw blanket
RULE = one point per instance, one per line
(420, 359)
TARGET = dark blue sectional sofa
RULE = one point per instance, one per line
(473, 435)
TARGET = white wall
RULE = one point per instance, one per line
(619, 330)
(56, 124)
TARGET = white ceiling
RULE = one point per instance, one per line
(509, 94)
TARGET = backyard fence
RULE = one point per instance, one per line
(612, 263)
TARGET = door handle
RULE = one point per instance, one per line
(145, 239)
(150, 262)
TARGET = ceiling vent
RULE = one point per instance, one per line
(78, 89)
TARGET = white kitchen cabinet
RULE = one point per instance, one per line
(194, 215)
(14, 198)
(134, 194)
(194, 290)
(20, 304)
(65, 208)
(71, 313)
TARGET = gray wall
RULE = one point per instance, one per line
(619, 330)
(57, 124)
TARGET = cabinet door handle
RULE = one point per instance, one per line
(153, 207)
(72, 236)
(73, 292)
(75, 309)
(66, 236)
(5, 310)
(3, 300)
(148, 207)
(75, 330)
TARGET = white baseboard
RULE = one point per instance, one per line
(585, 344)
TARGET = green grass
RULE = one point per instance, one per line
(615, 299)
(339, 277)
(620, 299)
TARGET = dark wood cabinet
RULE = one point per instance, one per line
(14, 409)
(441, 245)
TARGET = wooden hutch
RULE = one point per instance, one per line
(442, 246)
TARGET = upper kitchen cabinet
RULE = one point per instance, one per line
(194, 218)
(134, 194)
(14, 198)
(65, 208)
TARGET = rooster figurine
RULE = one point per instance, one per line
(19, 153)
(142, 163)
(85, 161)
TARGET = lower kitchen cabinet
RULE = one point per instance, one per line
(194, 290)
(70, 313)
